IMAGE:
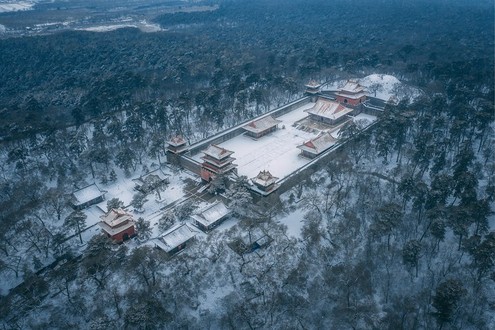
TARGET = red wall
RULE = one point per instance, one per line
(205, 175)
(341, 99)
(120, 236)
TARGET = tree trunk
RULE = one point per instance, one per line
(116, 304)
(92, 170)
(79, 232)
(67, 291)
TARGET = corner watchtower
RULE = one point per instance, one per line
(313, 88)
(176, 146)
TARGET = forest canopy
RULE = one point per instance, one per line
(393, 230)
(65, 78)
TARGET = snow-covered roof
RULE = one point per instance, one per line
(116, 221)
(262, 124)
(352, 87)
(217, 152)
(223, 168)
(177, 141)
(318, 144)
(175, 236)
(87, 194)
(264, 178)
(328, 109)
(212, 214)
(113, 231)
(116, 217)
(313, 84)
(352, 96)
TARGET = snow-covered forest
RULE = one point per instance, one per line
(394, 230)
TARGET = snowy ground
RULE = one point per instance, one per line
(123, 189)
(276, 152)
(294, 222)
(7, 6)
(386, 86)
(365, 119)
(142, 25)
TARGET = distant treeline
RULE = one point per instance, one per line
(269, 46)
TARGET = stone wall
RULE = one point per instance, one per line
(292, 179)
(190, 164)
(238, 130)
(316, 164)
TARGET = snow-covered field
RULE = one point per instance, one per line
(9, 6)
(294, 222)
(388, 86)
(381, 86)
(276, 152)
(142, 25)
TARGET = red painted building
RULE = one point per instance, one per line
(216, 160)
(316, 146)
(329, 112)
(118, 225)
(260, 127)
(352, 94)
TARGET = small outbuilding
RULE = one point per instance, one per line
(176, 144)
(265, 182)
(261, 127)
(316, 146)
(118, 225)
(255, 240)
(87, 196)
(211, 216)
(250, 242)
(313, 88)
(175, 239)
